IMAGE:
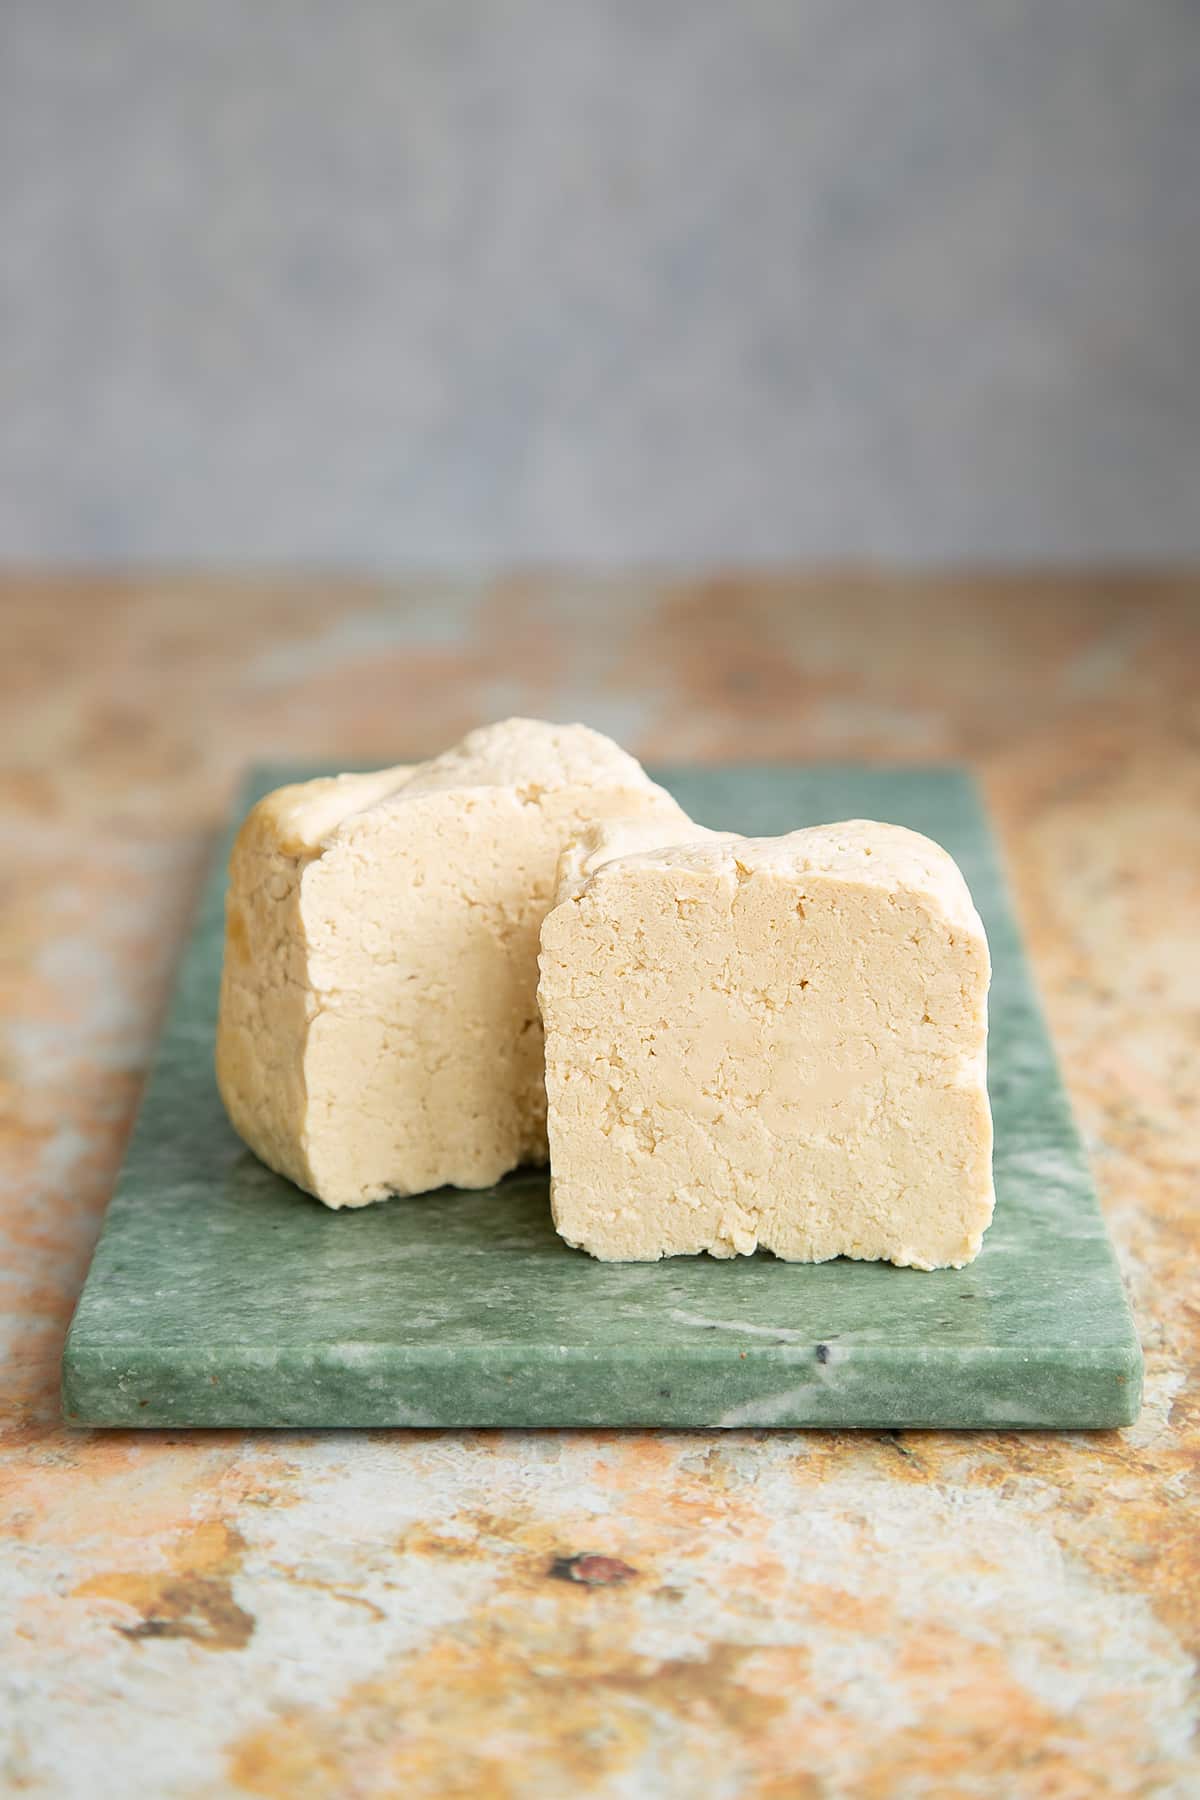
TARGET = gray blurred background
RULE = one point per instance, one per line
(392, 285)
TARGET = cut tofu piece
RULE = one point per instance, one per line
(378, 1030)
(767, 1041)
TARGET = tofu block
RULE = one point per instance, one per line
(378, 1030)
(767, 1041)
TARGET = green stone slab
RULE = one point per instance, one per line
(220, 1295)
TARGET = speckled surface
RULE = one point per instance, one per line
(310, 1615)
(221, 1296)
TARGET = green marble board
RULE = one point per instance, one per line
(221, 1295)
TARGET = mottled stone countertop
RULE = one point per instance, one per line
(304, 1615)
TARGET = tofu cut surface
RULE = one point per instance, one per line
(773, 1041)
(378, 1030)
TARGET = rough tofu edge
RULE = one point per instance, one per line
(534, 756)
(297, 820)
(277, 841)
(611, 839)
(866, 850)
(301, 819)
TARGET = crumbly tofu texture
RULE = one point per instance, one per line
(772, 1041)
(378, 1030)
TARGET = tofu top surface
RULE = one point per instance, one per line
(864, 852)
(304, 819)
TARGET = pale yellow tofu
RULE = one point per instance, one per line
(379, 1031)
(767, 1041)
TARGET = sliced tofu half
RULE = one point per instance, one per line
(767, 1041)
(379, 1031)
